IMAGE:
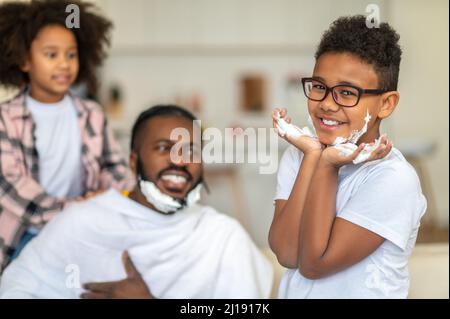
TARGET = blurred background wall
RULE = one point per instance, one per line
(209, 54)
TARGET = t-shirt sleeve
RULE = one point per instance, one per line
(287, 172)
(389, 203)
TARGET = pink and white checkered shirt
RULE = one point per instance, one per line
(23, 201)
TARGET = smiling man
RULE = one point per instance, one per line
(178, 248)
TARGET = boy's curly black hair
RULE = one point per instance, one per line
(376, 46)
(20, 22)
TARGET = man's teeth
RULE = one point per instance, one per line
(330, 122)
(174, 178)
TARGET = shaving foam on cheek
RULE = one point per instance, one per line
(347, 146)
(354, 135)
(354, 138)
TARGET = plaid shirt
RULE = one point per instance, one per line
(23, 201)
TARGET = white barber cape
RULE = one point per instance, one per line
(194, 253)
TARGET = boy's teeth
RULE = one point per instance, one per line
(330, 122)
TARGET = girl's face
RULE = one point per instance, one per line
(343, 68)
(52, 64)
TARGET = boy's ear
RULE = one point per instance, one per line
(390, 100)
(133, 162)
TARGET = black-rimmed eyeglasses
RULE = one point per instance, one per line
(344, 95)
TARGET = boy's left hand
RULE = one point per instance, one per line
(333, 157)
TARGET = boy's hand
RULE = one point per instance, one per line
(332, 155)
(304, 143)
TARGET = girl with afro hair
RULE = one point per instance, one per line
(55, 147)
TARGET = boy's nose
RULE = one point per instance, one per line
(328, 104)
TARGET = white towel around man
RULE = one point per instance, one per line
(194, 253)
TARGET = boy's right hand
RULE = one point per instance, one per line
(304, 143)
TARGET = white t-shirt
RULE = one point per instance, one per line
(58, 143)
(382, 196)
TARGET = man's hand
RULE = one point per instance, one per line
(332, 155)
(132, 287)
(304, 143)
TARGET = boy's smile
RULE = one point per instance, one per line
(332, 120)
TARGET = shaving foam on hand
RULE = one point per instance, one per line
(290, 130)
(347, 149)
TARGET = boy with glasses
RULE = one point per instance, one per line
(344, 227)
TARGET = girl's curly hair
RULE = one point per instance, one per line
(20, 22)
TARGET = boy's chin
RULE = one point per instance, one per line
(326, 140)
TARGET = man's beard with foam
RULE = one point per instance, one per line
(164, 203)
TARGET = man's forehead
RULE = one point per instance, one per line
(160, 128)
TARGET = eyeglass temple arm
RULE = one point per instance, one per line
(374, 91)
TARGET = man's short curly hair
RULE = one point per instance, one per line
(377, 46)
(20, 22)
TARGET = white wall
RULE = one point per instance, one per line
(424, 104)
